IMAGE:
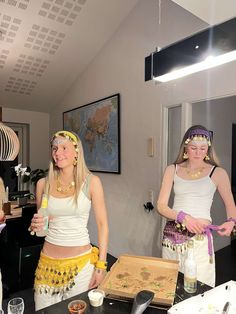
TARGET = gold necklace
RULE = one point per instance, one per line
(196, 173)
(64, 189)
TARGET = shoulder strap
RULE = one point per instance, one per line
(86, 185)
(176, 167)
(212, 170)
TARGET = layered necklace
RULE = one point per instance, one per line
(62, 188)
(195, 174)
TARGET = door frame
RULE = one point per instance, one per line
(186, 122)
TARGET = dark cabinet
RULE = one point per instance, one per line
(19, 252)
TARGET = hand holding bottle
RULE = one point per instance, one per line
(44, 220)
(39, 223)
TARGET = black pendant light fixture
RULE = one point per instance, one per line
(209, 48)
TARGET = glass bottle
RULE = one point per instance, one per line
(44, 212)
(190, 269)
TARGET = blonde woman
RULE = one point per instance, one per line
(68, 264)
(195, 176)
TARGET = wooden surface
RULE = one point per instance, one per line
(16, 211)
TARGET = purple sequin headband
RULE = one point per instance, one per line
(199, 135)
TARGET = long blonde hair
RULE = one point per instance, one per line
(80, 171)
(213, 160)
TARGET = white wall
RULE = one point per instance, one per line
(39, 134)
(120, 68)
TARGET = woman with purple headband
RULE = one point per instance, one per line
(195, 176)
(68, 264)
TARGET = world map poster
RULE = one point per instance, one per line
(97, 125)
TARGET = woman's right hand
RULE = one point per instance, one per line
(194, 225)
(37, 222)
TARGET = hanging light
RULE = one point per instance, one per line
(207, 49)
(9, 143)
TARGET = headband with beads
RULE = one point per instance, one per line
(199, 135)
(68, 135)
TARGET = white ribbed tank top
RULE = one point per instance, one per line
(194, 197)
(68, 223)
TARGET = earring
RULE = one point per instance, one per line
(207, 158)
(185, 155)
(75, 161)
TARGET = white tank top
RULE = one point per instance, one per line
(68, 223)
(194, 197)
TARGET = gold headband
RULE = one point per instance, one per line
(198, 138)
(68, 135)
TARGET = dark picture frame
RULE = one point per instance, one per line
(98, 126)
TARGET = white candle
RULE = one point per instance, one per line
(7, 194)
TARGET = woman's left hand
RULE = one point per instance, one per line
(226, 228)
(97, 277)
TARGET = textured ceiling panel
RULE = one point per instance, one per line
(21, 4)
(44, 39)
(30, 65)
(45, 45)
(8, 27)
(20, 86)
(61, 11)
(3, 57)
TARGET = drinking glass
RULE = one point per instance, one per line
(15, 306)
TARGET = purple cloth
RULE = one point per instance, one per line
(177, 236)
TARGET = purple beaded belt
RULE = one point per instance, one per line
(175, 236)
(176, 233)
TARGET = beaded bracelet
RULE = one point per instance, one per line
(231, 219)
(101, 264)
(181, 216)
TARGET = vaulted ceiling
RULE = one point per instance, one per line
(46, 44)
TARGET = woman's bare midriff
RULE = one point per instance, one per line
(58, 251)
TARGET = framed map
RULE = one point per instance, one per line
(98, 126)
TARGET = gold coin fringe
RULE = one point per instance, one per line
(54, 276)
(179, 247)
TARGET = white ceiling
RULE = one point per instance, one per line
(46, 44)
(211, 11)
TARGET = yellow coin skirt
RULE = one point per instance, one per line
(56, 275)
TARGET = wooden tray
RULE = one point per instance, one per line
(131, 274)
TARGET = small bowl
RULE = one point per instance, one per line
(96, 297)
(77, 306)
